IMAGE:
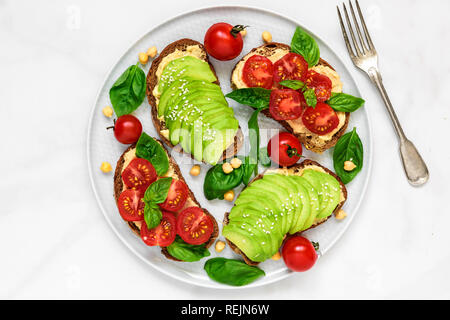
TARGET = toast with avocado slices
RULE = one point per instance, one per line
(174, 172)
(281, 202)
(189, 110)
(312, 141)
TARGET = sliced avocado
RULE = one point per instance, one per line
(238, 234)
(314, 179)
(219, 139)
(314, 203)
(185, 67)
(174, 91)
(303, 196)
(331, 194)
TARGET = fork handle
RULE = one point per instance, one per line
(415, 168)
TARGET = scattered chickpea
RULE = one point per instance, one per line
(349, 166)
(235, 163)
(152, 52)
(220, 245)
(229, 195)
(143, 58)
(227, 168)
(276, 256)
(107, 111)
(243, 32)
(195, 170)
(340, 215)
(105, 167)
(266, 36)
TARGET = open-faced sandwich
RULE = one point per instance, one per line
(188, 107)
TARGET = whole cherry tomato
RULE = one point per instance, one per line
(299, 254)
(127, 129)
(223, 41)
(284, 149)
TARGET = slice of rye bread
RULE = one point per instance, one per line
(310, 140)
(118, 186)
(152, 81)
(297, 168)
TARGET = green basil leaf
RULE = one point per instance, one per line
(158, 190)
(249, 166)
(258, 98)
(293, 84)
(128, 92)
(150, 149)
(264, 158)
(305, 45)
(152, 215)
(345, 102)
(348, 148)
(231, 271)
(187, 252)
(310, 97)
(217, 182)
(254, 136)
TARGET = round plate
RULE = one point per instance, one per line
(102, 145)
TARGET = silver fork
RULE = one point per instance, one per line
(365, 57)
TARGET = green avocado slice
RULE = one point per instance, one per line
(303, 196)
(314, 203)
(244, 239)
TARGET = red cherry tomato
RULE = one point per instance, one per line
(284, 149)
(223, 41)
(321, 120)
(131, 205)
(285, 104)
(299, 254)
(258, 72)
(127, 129)
(194, 226)
(163, 235)
(177, 196)
(291, 66)
(321, 85)
(139, 174)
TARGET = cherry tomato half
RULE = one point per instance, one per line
(194, 226)
(131, 205)
(299, 254)
(284, 149)
(321, 120)
(223, 41)
(285, 104)
(321, 85)
(258, 72)
(162, 235)
(291, 66)
(139, 174)
(176, 197)
(127, 129)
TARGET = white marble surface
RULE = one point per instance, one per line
(54, 241)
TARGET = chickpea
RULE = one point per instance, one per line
(227, 168)
(340, 215)
(229, 195)
(349, 166)
(220, 245)
(276, 256)
(108, 111)
(105, 167)
(143, 58)
(266, 36)
(235, 163)
(243, 32)
(152, 52)
(195, 170)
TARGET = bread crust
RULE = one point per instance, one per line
(152, 81)
(118, 186)
(297, 167)
(305, 138)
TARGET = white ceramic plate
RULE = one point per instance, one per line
(103, 147)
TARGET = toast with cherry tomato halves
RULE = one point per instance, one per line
(189, 109)
(318, 127)
(279, 203)
(154, 199)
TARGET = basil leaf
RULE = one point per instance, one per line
(345, 102)
(310, 97)
(218, 182)
(249, 166)
(152, 215)
(128, 92)
(264, 158)
(305, 45)
(158, 190)
(348, 148)
(187, 252)
(231, 271)
(293, 84)
(258, 98)
(253, 128)
(149, 149)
